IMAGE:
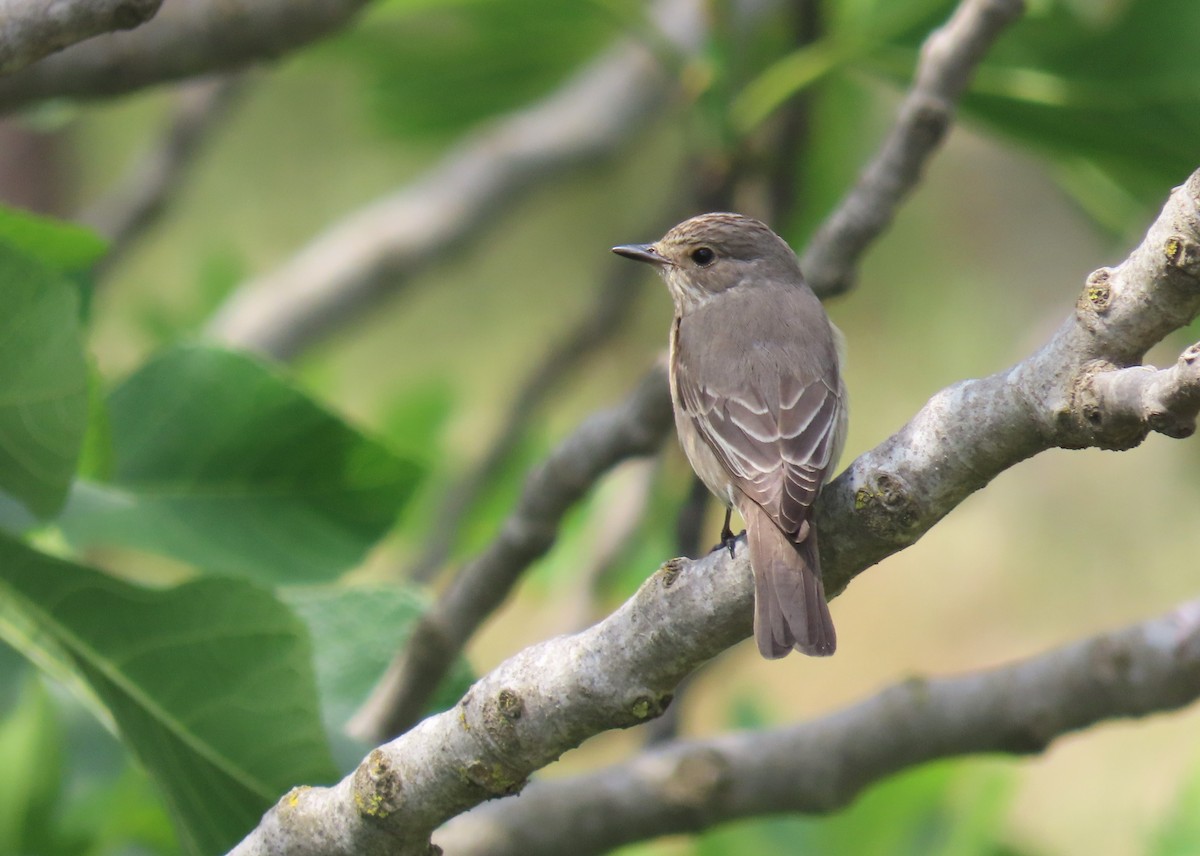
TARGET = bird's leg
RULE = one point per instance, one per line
(728, 539)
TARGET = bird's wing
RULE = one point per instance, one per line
(775, 435)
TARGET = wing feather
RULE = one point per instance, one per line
(774, 430)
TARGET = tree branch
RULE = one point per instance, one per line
(948, 59)
(552, 696)
(30, 31)
(821, 766)
(187, 38)
(380, 247)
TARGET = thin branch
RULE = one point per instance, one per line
(821, 766)
(1166, 401)
(188, 38)
(379, 248)
(636, 427)
(552, 696)
(948, 59)
(139, 197)
(30, 31)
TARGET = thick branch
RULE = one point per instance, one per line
(30, 31)
(821, 766)
(637, 427)
(187, 38)
(948, 59)
(380, 247)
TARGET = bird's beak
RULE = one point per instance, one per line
(641, 253)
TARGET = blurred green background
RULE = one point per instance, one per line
(1082, 119)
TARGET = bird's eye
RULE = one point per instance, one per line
(703, 256)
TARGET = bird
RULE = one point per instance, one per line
(760, 406)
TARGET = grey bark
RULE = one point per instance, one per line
(32, 30)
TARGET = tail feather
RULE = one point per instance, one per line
(790, 610)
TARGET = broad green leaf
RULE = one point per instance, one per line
(221, 462)
(60, 246)
(43, 383)
(356, 633)
(31, 758)
(209, 683)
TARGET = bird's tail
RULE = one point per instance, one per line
(789, 599)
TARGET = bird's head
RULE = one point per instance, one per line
(713, 253)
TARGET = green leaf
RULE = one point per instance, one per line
(356, 632)
(209, 683)
(220, 462)
(60, 246)
(43, 384)
(31, 758)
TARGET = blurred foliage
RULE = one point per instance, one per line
(212, 468)
(31, 756)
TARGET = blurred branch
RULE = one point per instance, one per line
(948, 59)
(187, 38)
(139, 198)
(552, 696)
(30, 31)
(636, 427)
(821, 766)
(598, 324)
(377, 249)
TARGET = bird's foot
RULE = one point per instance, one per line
(728, 541)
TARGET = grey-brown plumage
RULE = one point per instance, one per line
(759, 405)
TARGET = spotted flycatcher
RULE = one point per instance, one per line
(759, 406)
